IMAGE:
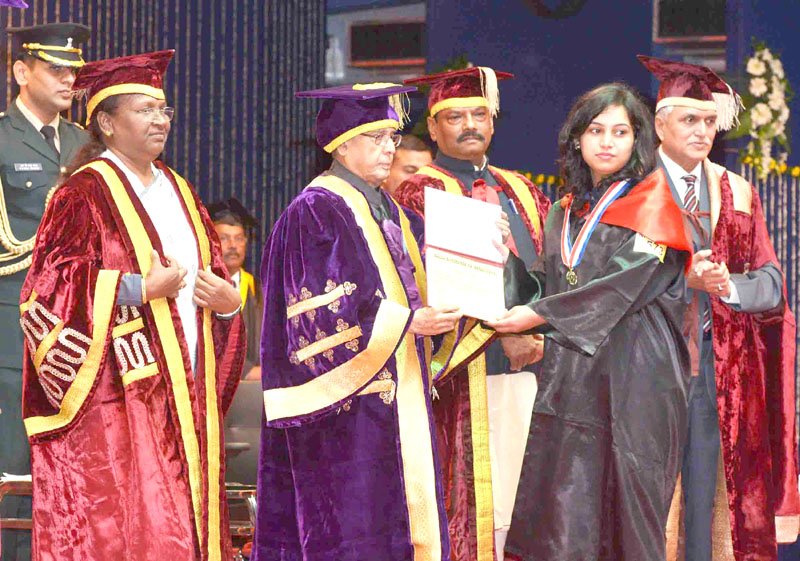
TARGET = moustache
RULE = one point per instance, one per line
(231, 254)
(471, 134)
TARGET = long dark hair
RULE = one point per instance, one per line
(574, 171)
(96, 144)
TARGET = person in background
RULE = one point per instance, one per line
(411, 154)
(738, 489)
(134, 342)
(36, 144)
(234, 225)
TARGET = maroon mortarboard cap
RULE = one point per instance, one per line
(470, 87)
(348, 111)
(135, 74)
(55, 43)
(692, 85)
(232, 207)
(13, 3)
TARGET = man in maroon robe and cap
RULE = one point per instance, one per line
(482, 422)
(738, 493)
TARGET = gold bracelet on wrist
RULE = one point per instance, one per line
(144, 293)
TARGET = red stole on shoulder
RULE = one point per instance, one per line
(650, 210)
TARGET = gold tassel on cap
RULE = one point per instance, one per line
(401, 106)
(489, 89)
(398, 102)
(728, 107)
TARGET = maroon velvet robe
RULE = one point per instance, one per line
(126, 442)
(755, 376)
(461, 412)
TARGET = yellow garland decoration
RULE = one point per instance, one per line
(774, 168)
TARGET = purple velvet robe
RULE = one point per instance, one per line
(348, 466)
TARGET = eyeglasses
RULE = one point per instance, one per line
(381, 138)
(239, 238)
(151, 112)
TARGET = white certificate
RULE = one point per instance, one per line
(463, 265)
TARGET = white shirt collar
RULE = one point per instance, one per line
(138, 187)
(483, 164)
(676, 172)
(235, 278)
(34, 120)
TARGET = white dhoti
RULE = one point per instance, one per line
(510, 398)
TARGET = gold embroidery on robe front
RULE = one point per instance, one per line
(132, 348)
(58, 351)
(325, 343)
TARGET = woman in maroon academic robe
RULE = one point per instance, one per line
(609, 294)
(134, 345)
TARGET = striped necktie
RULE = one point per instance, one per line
(691, 203)
(690, 200)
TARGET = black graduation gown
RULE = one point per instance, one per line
(610, 417)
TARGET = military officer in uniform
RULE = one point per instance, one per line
(36, 145)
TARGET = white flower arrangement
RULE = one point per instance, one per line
(768, 112)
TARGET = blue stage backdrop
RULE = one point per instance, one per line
(554, 59)
(238, 130)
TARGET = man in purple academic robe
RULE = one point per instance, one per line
(347, 468)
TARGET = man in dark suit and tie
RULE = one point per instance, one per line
(738, 487)
(36, 145)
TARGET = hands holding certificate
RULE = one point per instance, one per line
(517, 319)
(434, 321)
(463, 254)
(505, 231)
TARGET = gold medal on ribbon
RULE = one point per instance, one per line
(572, 277)
(571, 255)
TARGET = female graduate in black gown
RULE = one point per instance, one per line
(610, 418)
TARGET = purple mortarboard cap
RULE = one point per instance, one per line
(13, 3)
(348, 111)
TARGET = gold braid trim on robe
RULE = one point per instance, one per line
(523, 194)
(213, 428)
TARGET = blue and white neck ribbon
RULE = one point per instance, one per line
(571, 255)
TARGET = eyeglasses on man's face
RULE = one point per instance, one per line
(380, 138)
